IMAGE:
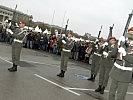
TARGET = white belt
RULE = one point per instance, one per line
(66, 50)
(19, 41)
(122, 67)
(97, 54)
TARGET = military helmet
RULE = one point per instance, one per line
(130, 33)
(21, 22)
(101, 40)
(70, 33)
(112, 37)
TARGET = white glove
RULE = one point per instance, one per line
(105, 44)
(96, 40)
(131, 43)
(25, 32)
(105, 54)
(6, 21)
(121, 39)
(9, 24)
(17, 24)
(122, 50)
(8, 30)
(63, 41)
(96, 46)
(63, 35)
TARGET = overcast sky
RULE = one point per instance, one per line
(84, 15)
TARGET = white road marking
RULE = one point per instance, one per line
(57, 85)
(83, 89)
(49, 81)
(5, 60)
(66, 88)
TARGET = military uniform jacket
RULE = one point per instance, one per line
(18, 34)
(68, 46)
(112, 53)
(123, 75)
(98, 50)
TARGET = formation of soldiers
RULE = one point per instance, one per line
(114, 60)
(110, 58)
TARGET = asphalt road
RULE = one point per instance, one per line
(36, 78)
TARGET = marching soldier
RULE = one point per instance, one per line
(108, 58)
(65, 53)
(96, 59)
(121, 73)
(19, 35)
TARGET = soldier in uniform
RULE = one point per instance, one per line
(108, 58)
(96, 59)
(19, 35)
(121, 73)
(65, 53)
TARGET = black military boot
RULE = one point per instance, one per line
(94, 76)
(13, 69)
(102, 90)
(61, 74)
(91, 78)
(98, 89)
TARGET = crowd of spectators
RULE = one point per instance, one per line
(50, 43)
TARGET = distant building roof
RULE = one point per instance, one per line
(12, 10)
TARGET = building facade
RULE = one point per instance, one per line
(8, 13)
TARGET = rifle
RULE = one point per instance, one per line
(110, 32)
(99, 32)
(66, 27)
(96, 42)
(13, 22)
(128, 22)
(106, 49)
(97, 39)
(125, 44)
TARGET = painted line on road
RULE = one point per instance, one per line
(83, 89)
(66, 88)
(5, 60)
(57, 85)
